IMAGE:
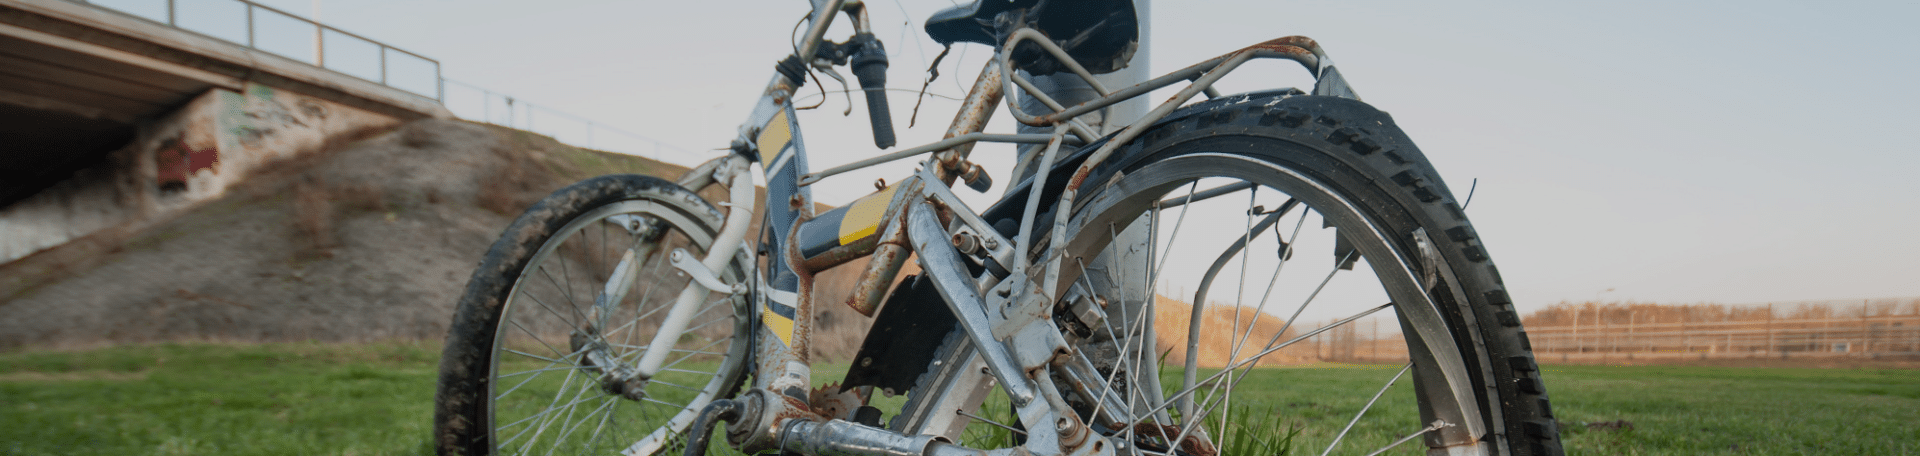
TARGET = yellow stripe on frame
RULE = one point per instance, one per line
(782, 327)
(773, 138)
(864, 216)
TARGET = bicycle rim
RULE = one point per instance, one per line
(1215, 334)
(546, 396)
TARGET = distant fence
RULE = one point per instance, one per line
(482, 105)
(1884, 330)
(1876, 336)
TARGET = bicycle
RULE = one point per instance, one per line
(639, 337)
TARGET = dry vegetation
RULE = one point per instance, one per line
(1223, 327)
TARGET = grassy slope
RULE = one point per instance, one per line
(376, 399)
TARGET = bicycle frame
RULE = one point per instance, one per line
(921, 215)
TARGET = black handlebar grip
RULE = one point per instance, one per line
(870, 67)
(882, 119)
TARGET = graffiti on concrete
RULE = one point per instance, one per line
(176, 161)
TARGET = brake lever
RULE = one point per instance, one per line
(844, 89)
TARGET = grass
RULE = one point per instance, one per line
(372, 399)
(218, 399)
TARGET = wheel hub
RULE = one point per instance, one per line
(616, 378)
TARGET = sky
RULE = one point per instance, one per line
(1676, 152)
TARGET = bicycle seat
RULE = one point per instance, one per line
(969, 23)
(1100, 34)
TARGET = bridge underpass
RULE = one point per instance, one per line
(108, 119)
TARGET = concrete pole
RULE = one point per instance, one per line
(1068, 89)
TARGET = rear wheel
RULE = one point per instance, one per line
(1240, 250)
(541, 353)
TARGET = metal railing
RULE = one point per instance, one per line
(489, 107)
(503, 110)
(172, 17)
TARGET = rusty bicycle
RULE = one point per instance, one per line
(1124, 297)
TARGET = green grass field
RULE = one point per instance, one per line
(370, 399)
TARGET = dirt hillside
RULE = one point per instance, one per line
(370, 240)
(373, 239)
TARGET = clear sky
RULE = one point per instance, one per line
(1733, 152)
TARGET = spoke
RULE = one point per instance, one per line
(1273, 348)
(1252, 360)
(599, 427)
(1173, 237)
(530, 355)
(644, 347)
(1430, 428)
(565, 291)
(690, 353)
(1240, 296)
(550, 406)
(703, 311)
(992, 422)
(567, 431)
(1270, 283)
(1208, 193)
(1107, 383)
(536, 338)
(549, 419)
(1129, 353)
(1363, 410)
(647, 296)
(549, 369)
(543, 304)
(602, 248)
(572, 301)
(1206, 283)
(529, 379)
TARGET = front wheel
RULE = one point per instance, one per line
(542, 352)
(1230, 256)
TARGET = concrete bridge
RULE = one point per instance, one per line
(111, 120)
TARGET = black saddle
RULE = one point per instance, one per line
(1099, 34)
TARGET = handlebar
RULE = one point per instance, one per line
(870, 67)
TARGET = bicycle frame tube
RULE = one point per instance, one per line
(877, 226)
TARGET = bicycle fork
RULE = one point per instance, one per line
(630, 380)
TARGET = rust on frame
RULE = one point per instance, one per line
(978, 107)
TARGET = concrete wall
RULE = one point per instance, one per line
(185, 158)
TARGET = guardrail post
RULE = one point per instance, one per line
(170, 14)
(383, 65)
(320, 40)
